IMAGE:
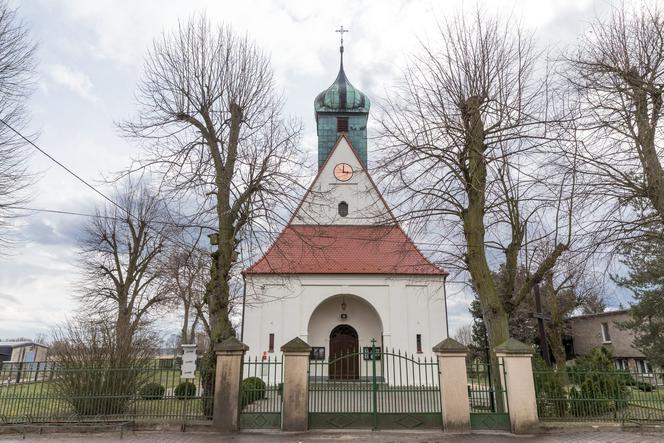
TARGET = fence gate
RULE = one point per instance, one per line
(390, 390)
(260, 393)
(489, 406)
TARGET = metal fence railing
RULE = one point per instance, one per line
(50, 392)
(609, 395)
(375, 388)
(487, 396)
(261, 392)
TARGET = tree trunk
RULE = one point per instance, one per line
(222, 259)
(184, 333)
(645, 140)
(493, 311)
(123, 333)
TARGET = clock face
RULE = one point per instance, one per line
(343, 172)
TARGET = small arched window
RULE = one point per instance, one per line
(343, 209)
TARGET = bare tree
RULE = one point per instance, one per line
(187, 274)
(213, 128)
(100, 383)
(569, 286)
(17, 63)
(122, 261)
(618, 73)
(464, 334)
(468, 138)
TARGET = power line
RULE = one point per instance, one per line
(31, 143)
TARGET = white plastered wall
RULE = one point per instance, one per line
(405, 306)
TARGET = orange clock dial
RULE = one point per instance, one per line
(343, 172)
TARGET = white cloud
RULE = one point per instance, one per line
(76, 81)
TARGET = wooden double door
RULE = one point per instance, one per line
(344, 353)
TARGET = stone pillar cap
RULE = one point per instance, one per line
(296, 345)
(513, 346)
(449, 345)
(231, 344)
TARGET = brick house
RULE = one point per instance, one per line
(594, 330)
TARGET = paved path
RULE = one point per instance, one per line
(575, 436)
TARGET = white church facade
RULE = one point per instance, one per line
(343, 272)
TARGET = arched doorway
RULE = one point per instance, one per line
(344, 353)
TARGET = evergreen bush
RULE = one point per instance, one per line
(252, 389)
(185, 389)
(152, 391)
(601, 387)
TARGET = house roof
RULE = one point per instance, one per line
(343, 249)
(18, 344)
(601, 314)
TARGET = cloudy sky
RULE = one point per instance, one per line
(90, 58)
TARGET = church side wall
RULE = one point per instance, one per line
(405, 306)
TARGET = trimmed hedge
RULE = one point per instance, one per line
(185, 389)
(152, 391)
(252, 389)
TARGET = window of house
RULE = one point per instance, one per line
(343, 209)
(644, 367)
(342, 124)
(621, 364)
(418, 338)
(271, 345)
(606, 337)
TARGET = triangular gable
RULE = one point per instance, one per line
(366, 205)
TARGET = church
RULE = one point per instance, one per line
(343, 272)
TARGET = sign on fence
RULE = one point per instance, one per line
(188, 367)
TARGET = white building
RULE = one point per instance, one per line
(343, 272)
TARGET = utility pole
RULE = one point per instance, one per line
(539, 315)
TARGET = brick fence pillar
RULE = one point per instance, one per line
(453, 385)
(228, 377)
(519, 385)
(295, 407)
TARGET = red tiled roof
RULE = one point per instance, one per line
(343, 250)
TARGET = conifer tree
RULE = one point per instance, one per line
(645, 261)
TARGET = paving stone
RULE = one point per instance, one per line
(562, 436)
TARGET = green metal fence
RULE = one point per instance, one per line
(48, 392)
(261, 393)
(489, 406)
(620, 396)
(376, 389)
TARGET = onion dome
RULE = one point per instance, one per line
(342, 96)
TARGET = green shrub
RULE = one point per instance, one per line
(551, 395)
(643, 386)
(252, 389)
(602, 387)
(185, 389)
(152, 391)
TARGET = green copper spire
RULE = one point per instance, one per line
(341, 108)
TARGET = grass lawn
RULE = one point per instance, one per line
(651, 400)
(40, 401)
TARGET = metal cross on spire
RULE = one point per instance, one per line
(341, 31)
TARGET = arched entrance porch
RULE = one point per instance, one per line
(342, 324)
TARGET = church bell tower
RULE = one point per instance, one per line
(341, 109)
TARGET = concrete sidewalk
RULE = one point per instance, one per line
(571, 435)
